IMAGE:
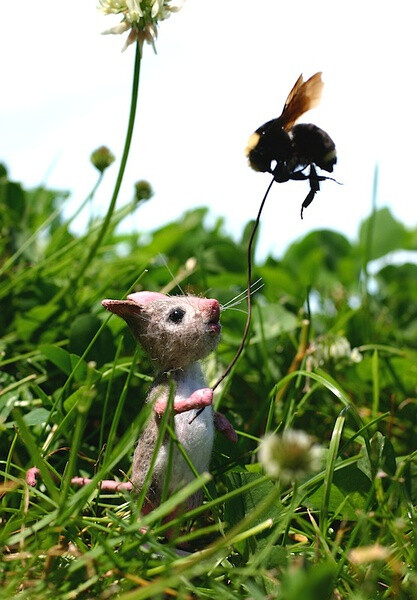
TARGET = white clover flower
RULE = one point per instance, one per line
(141, 17)
(290, 456)
(340, 348)
(333, 348)
(355, 356)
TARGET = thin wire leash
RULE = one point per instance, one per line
(249, 316)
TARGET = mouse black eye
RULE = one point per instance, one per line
(176, 315)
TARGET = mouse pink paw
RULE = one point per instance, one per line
(198, 399)
(202, 398)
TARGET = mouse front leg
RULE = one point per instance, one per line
(198, 399)
(222, 424)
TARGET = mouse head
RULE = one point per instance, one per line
(174, 330)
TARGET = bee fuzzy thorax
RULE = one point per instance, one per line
(252, 143)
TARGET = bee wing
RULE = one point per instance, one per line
(303, 96)
(295, 90)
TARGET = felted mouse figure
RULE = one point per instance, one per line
(176, 332)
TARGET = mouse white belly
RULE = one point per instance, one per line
(196, 437)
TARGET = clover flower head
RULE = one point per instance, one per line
(143, 191)
(332, 348)
(141, 17)
(290, 456)
(102, 158)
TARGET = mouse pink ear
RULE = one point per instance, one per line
(143, 298)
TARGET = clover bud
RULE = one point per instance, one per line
(102, 158)
(143, 191)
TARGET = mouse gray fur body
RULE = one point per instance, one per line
(176, 332)
(196, 437)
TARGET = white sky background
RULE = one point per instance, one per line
(222, 69)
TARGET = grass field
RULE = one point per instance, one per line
(332, 352)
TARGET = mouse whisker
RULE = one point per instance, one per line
(165, 263)
(244, 293)
(242, 310)
(242, 296)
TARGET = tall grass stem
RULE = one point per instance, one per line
(79, 275)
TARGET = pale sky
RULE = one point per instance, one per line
(222, 69)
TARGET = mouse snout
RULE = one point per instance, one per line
(212, 309)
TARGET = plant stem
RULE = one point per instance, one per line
(80, 273)
(298, 358)
(29, 240)
(369, 239)
(86, 200)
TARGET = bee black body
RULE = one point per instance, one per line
(313, 145)
(281, 152)
(286, 150)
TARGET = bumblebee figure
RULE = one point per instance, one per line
(286, 150)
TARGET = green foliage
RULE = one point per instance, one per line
(69, 383)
